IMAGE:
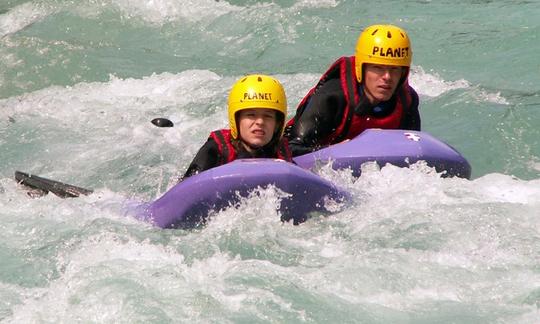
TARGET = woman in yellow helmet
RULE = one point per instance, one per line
(367, 90)
(257, 111)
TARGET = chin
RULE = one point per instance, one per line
(384, 97)
(257, 144)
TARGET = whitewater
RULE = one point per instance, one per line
(81, 80)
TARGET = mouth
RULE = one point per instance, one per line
(385, 87)
(258, 132)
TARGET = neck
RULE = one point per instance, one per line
(253, 150)
(247, 147)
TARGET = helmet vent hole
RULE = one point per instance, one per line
(244, 79)
(374, 32)
(389, 34)
(259, 79)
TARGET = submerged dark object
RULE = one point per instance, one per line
(41, 186)
(162, 122)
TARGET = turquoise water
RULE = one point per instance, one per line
(80, 81)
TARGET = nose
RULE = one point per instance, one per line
(386, 73)
(259, 120)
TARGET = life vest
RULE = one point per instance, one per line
(227, 152)
(353, 124)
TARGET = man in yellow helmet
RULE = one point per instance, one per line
(257, 111)
(367, 90)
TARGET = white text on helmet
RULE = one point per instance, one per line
(258, 95)
(391, 52)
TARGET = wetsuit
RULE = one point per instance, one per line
(330, 114)
(219, 149)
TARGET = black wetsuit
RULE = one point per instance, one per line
(209, 156)
(324, 113)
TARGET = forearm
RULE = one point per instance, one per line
(318, 121)
(206, 158)
(298, 147)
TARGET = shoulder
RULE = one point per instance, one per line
(342, 60)
(226, 133)
(331, 87)
(209, 147)
(411, 90)
(415, 100)
(411, 95)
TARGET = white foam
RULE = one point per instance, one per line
(110, 121)
(248, 212)
(485, 96)
(432, 85)
(97, 259)
(119, 95)
(162, 11)
(496, 187)
(23, 16)
(315, 4)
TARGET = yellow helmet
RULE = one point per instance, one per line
(257, 91)
(382, 44)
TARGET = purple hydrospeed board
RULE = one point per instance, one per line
(190, 202)
(398, 147)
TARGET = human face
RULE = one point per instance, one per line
(381, 81)
(256, 127)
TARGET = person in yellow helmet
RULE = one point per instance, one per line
(257, 108)
(367, 90)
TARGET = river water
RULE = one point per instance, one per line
(80, 81)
